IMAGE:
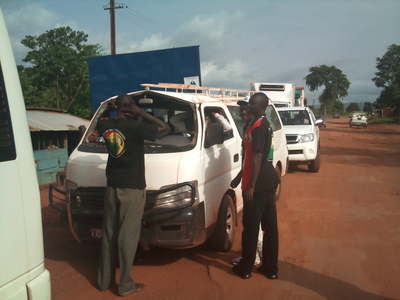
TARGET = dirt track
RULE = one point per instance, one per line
(339, 235)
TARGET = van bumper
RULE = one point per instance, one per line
(179, 229)
(39, 287)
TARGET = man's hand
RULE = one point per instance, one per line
(248, 194)
(130, 110)
(111, 105)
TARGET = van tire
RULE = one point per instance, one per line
(279, 188)
(224, 234)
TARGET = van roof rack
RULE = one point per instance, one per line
(194, 89)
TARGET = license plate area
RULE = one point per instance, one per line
(96, 233)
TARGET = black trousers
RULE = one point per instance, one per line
(261, 209)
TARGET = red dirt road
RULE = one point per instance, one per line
(339, 235)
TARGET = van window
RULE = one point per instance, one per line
(217, 115)
(7, 144)
(273, 118)
(180, 117)
(235, 113)
(270, 114)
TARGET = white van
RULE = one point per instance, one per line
(188, 173)
(22, 274)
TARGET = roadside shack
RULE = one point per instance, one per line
(54, 135)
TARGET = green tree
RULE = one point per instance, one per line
(353, 107)
(59, 69)
(388, 78)
(338, 106)
(368, 107)
(335, 82)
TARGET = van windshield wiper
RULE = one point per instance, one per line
(161, 145)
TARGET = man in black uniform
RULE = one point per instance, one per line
(259, 182)
(125, 193)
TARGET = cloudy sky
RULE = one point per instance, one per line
(241, 41)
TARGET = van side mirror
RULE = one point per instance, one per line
(214, 135)
(82, 130)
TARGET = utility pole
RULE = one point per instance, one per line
(112, 8)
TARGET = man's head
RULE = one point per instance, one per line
(257, 104)
(125, 106)
(124, 101)
(243, 109)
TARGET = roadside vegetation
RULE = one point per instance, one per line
(56, 75)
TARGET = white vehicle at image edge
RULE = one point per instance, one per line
(22, 272)
(302, 136)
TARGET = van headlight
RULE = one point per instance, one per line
(306, 138)
(176, 197)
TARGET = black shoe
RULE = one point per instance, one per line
(268, 275)
(241, 273)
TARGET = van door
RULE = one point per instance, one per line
(280, 145)
(221, 161)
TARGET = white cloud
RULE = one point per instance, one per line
(31, 19)
(223, 77)
(240, 41)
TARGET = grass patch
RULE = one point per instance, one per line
(378, 120)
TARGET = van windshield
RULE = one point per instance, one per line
(178, 114)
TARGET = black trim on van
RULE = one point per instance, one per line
(7, 143)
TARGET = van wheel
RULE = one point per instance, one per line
(365, 126)
(314, 165)
(224, 234)
(279, 188)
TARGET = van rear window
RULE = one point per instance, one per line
(7, 145)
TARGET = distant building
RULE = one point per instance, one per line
(384, 112)
(55, 134)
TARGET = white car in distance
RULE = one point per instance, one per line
(302, 136)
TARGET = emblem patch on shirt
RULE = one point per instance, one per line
(115, 142)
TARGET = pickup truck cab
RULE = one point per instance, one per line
(302, 136)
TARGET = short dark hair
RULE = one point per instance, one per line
(121, 99)
(261, 98)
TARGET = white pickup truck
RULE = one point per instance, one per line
(302, 136)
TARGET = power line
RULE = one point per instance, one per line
(112, 8)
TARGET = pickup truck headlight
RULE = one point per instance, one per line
(306, 138)
(174, 198)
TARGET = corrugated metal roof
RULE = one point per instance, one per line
(50, 120)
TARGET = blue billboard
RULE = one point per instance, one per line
(123, 73)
